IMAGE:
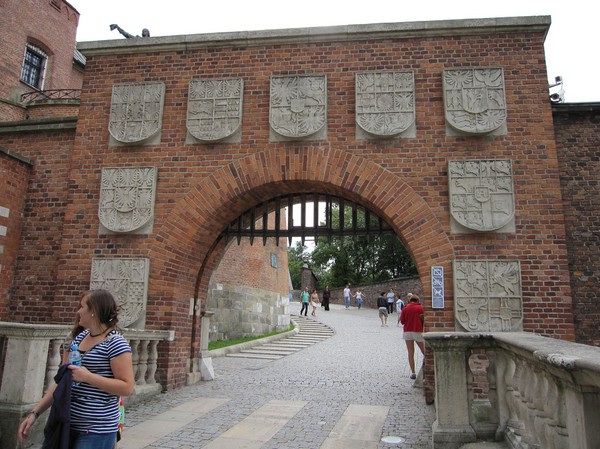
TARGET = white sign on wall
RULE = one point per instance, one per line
(437, 287)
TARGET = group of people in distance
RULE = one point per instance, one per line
(309, 299)
(411, 314)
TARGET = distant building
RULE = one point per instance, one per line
(39, 54)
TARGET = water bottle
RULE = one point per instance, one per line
(75, 358)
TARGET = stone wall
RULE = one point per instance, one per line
(401, 287)
(241, 311)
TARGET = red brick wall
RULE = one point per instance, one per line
(251, 263)
(38, 22)
(46, 193)
(577, 129)
(201, 188)
(14, 176)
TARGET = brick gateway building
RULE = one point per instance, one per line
(443, 129)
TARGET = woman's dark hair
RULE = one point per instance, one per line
(102, 303)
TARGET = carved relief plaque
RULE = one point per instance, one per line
(127, 199)
(127, 280)
(481, 193)
(385, 102)
(474, 100)
(298, 106)
(488, 295)
(136, 111)
(215, 108)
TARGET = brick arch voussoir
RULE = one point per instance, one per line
(199, 217)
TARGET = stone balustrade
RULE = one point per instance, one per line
(30, 355)
(541, 393)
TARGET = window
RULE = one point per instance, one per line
(34, 64)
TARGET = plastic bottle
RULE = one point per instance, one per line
(75, 358)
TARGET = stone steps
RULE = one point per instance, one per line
(310, 332)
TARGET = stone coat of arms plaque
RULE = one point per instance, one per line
(385, 102)
(136, 111)
(215, 108)
(127, 280)
(127, 199)
(474, 100)
(481, 193)
(298, 106)
(488, 295)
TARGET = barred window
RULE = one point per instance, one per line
(34, 65)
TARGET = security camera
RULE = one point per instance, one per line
(556, 98)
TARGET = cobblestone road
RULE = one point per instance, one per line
(348, 391)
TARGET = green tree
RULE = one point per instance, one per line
(361, 259)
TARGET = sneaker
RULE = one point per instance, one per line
(413, 376)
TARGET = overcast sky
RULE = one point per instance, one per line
(571, 44)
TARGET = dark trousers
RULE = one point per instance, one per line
(390, 307)
(304, 308)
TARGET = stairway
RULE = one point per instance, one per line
(309, 332)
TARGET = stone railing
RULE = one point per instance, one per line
(541, 393)
(30, 355)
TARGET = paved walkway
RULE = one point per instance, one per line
(347, 391)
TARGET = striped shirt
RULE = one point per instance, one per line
(94, 410)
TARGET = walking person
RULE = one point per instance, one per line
(347, 296)
(106, 374)
(400, 305)
(391, 298)
(382, 308)
(326, 298)
(359, 297)
(314, 302)
(304, 299)
(413, 317)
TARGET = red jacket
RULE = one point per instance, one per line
(412, 317)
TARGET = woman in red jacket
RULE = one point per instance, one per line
(412, 318)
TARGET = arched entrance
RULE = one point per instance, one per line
(189, 239)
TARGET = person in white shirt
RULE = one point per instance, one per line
(347, 296)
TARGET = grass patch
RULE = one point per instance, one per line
(212, 345)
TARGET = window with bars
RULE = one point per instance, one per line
(34, 65)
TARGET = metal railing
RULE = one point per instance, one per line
(51, 94)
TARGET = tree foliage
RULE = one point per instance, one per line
(356, 260)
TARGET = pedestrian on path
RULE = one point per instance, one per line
(391, 298)
(359, 297)
(400, 305)
(314, 302)
(347, 296)
(412, 317)
(326, 298)
(304, 299)
(382, 308)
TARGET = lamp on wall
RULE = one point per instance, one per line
(557, 97)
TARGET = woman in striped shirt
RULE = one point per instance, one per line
(105, 375)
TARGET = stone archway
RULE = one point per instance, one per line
(185, 241)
